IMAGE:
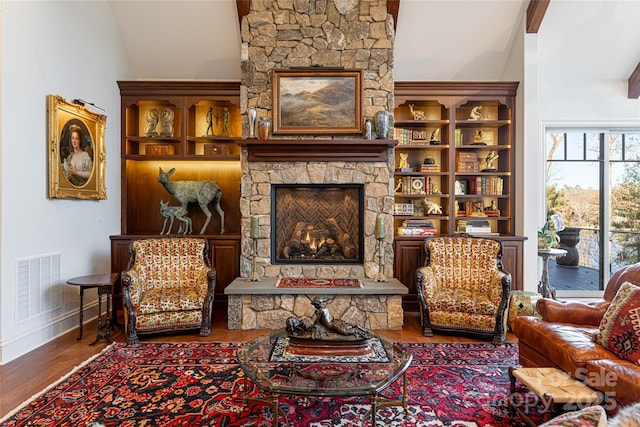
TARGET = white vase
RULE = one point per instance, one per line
(252, 122)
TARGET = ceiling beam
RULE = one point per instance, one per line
(634, 83)
(393, 6)
(535, 13)
(243, 9)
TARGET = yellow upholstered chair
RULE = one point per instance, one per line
(169, 285)
(463, 287)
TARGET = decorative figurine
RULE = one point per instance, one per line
(210, 116)
(435, 137)
(404, 161)
(477, 139)
(477, 114)
(417, 114)
(166, 122)
(201, 192)
(171, 212)
(152, 119)
(323, 327)
(399, 186)
(431, 207)
(225, 122)
(489, 162)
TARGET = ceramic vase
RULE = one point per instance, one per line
(569, 238)
(381, 121)
(252, 122)
(264, 127)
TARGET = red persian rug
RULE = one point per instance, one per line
(300, 282)
(198, 384)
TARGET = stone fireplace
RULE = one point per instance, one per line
(317, 223)
(348, 34)
(370, 185)
(338, 34)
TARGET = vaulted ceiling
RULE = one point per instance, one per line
(435, 39)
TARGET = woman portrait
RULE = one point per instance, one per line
(76, 152)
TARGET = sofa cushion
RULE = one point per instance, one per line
(591, 416)
(463, 300)
(619, 330)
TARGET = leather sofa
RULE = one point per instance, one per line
(563, 338)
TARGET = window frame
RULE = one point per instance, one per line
(605, 129)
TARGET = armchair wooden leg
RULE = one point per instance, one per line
(132, 338)
(427, 332)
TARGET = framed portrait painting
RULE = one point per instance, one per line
(320, 101)
(77, 155)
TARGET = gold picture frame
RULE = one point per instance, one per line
(310, 102)
(77, 156)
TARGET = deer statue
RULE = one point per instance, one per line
(171, 212)
(417, 114)
(201, 192)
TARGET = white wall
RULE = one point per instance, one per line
(71, 49)
(572, 77)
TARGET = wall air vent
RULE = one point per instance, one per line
(37, 289)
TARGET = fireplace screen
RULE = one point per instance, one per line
(317, 223)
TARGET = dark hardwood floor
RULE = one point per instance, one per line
(29, 374)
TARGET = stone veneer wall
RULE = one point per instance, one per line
(353, 34)
(280, 34)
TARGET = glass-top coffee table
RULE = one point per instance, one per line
(280, 367)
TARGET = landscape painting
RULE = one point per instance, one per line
(317, 102)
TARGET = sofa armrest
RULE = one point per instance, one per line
(576, 312)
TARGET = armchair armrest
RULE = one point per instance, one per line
(425, 281)
(576, 312)
(504, 290)
(129, 277)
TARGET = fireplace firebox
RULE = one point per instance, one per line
(317, 223)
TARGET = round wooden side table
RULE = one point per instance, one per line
(104, 283)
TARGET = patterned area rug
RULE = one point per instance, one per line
(197, 384)
(296, 282)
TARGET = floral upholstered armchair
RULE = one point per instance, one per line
(463, 287)
(169, 285)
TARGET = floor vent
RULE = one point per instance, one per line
(37, 286)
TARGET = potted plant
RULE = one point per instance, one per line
(547, 234)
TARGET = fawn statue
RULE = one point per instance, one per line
(200, 192)
(417, 114)
(171, 212)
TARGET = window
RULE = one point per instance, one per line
(593, 180)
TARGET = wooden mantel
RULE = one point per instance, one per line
(317, 150)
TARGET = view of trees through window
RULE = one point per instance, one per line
(593, 180)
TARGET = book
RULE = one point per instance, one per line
(417, 231)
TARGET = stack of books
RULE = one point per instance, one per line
(403, 209)
(476, 228)
(417, 227)
(429, 168)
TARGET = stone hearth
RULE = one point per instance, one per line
(260, 305)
